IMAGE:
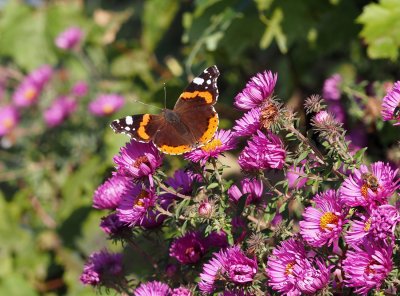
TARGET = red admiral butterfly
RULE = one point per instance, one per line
(191, 124)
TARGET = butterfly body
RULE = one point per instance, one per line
(191, 124)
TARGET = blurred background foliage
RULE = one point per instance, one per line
(48, 174)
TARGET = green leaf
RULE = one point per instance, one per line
(360, 154)
(381, 28)
(157, 17)
(274, 31)
(212, 186)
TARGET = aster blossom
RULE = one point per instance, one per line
(182, 182)
(154, 288)
(248, 124)
(137, 207)
(253, 187)
(109, 194)
(138, 160)
(377, 225)
(391, 104)
(258, 90)
(223, 141)
(367, 266)
(369, 186)
(263, 151)
(189, 248)
(113, 226)
(106, 104)
(101, 267)
(230, 264)
(70, 38)
(59, 111)
(331, 88)
(323, 224)
(181, 291)
(292, 272)
(9, 118)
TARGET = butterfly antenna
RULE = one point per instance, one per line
(148, 105)
(165, 97)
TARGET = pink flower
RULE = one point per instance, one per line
(248, 124)
(105, 105)
(295, 177)
(252, 187)
(258, 90)
(262, 152)
(391, 104)
(80, 89)
(189, 248)
(8, 119)
(331, 89)
(26, 94)
(109, 194)
(323, 224)
(223, 141)
(367, 266)
(369, 187)
(59, 111)
(153, 288)
(138, 160)
(70, 38)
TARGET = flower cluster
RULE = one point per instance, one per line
(200, 233)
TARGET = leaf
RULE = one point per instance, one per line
(381, 28)
(212, 185)
(274, 31)
(360, 155)
(157, 17)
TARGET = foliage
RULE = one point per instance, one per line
(48, 173)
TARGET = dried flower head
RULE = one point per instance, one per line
(314, 104)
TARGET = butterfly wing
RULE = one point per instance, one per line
(195, 106)
(142, 127)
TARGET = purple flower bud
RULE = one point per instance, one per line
(70, 38)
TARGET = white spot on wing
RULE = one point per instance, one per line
(198, 81)
(208, 81)
(127, 128)
(129, 120)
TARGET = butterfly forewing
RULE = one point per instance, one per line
(142, 127)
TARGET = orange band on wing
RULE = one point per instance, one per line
(211, 129)
(141, 131)
(174, 150)
(206, 95)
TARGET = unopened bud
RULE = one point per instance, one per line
(205, 209)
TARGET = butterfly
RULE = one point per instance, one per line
(191, 124)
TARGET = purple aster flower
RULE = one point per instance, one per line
(338, 111)
(138, 160)
(9, 118)
(181, 291)
(232, 265)
(113, 226)
(189, 248)
(367, 266)
(80, 89)
(391, 104)
(262, 152)
(217, 239)
(109, 194)
(358, 137)
(378, 226)
(101, 267)
(41, 76)
(248, 124)
(105, 105)
(26, 94)
(182, 182)
(258, 90)
(323, 224)
(369, 187)
(59, 111)
(70, 38)
(137, 207)
(223, 141)
(292, 273)
(331, 89)
(294, 177)
(153, 288)
(253, 187)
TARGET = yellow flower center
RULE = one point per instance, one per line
(212, 145)
(328, 218)
(108, 109)
(7, 123)
(367, 225)
(289, 268)
(30, 94)
(139, 199)
(140, 160)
